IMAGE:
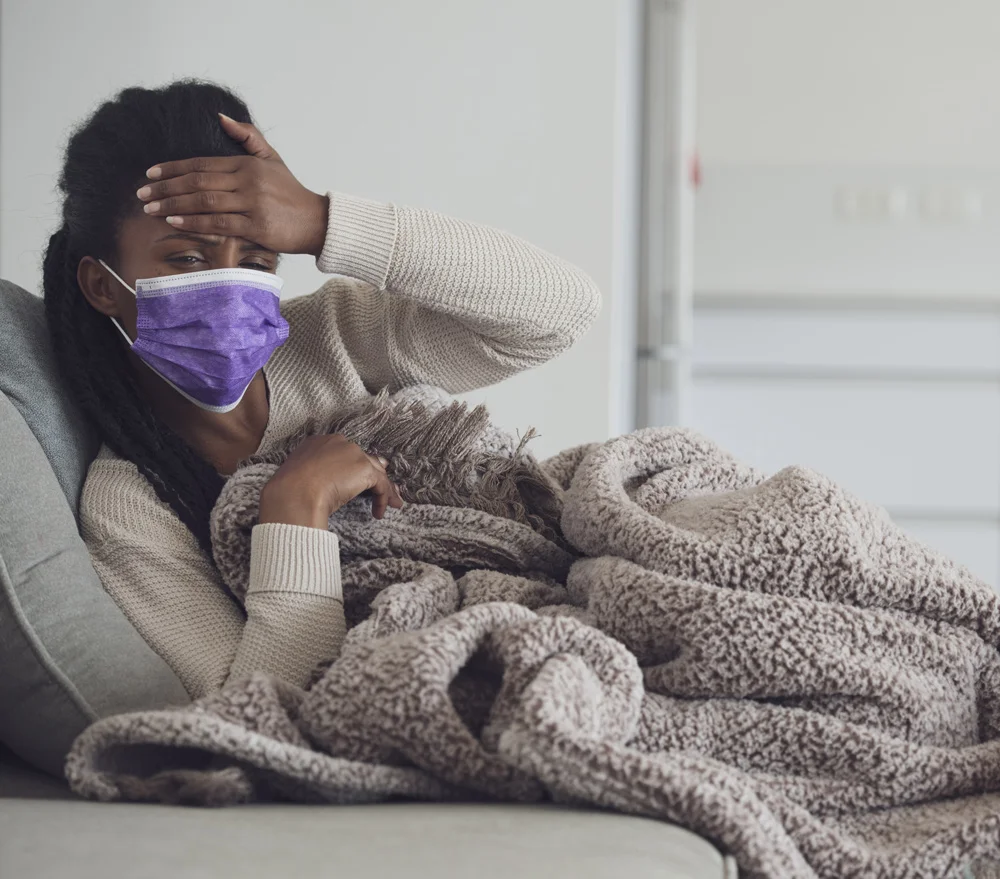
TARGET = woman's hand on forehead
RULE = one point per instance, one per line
(254, 196)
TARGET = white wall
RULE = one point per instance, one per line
(499, 113)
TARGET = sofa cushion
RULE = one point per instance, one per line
(29, 380)
(67, 654)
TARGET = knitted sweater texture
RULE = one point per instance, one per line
(418, 298)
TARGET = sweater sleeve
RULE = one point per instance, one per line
(454, 304)
(170, 590)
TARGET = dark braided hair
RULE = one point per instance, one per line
(106, 161)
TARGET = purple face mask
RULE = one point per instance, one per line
(207, 333)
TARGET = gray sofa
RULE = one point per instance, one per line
(68, 656)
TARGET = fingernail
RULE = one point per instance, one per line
(154, 172)
(227, 118)
(145, 192)
(152, 207)
(175, 221)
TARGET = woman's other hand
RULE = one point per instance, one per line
(321, 475)
(254, 196)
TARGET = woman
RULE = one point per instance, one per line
(163, 309)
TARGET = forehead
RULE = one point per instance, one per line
(141, 231)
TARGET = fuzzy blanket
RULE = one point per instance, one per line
(645, 625)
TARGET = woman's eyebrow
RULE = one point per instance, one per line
(210, 240)
(250, 245)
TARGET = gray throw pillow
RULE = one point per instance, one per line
(29, 379)
(67, 654)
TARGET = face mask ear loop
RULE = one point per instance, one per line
(118, 326)
(121, 330)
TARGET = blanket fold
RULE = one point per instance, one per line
(644, 624)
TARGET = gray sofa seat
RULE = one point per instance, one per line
(46, 833)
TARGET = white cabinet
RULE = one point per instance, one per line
(900, 405)
(906, 445)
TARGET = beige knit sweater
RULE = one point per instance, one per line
(425, 299)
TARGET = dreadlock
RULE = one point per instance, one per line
(105, 163)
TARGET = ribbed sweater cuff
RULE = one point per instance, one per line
(360, 237)
(294, 558)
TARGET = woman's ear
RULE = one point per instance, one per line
(95, 283)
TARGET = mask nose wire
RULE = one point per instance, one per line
(114, 320)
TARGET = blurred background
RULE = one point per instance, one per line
(792, 206)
